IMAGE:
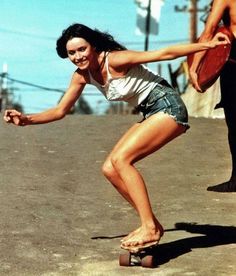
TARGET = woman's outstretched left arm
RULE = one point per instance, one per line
(134, 57)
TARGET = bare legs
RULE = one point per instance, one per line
(138, 142)
(228, 85)
(230, 185)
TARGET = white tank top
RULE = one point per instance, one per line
(133, 87)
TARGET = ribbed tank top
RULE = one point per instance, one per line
(133, 87)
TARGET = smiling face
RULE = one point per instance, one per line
(80, 52)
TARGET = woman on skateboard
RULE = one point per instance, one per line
(225, 11)
(119, 74)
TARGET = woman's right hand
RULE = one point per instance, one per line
(12, 116)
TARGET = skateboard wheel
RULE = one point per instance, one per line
(125, 259)
(147, 261)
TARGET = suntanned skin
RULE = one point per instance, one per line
(139, 141)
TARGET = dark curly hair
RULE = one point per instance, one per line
(102, 41)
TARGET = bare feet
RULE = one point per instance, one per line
(130, 235)
(143, 235)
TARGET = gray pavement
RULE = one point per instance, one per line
(60, 217)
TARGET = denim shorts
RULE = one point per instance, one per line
(164, 98)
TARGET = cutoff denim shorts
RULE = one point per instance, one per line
(164, 98)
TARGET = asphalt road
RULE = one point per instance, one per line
(60, 217)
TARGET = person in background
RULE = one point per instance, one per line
(121, 76)
(222, 11)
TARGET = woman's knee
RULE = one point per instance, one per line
(119, 161)
(108, 169)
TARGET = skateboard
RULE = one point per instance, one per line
(137, 256)
(212, 62)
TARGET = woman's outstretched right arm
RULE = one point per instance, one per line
(53, 114)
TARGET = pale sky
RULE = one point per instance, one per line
(29, 29)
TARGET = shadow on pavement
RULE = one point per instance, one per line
(212, 235)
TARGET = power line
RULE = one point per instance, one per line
(32, 84)
(26, 34)
(158, 41)
(54, 38)
(193, 10)
(4, 75)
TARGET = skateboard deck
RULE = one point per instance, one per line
(135, 256)
(212, 62)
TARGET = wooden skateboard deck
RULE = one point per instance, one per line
(212, 62)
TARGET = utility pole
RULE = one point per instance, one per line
(193, 9)
(3, 87)
(147, 27)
